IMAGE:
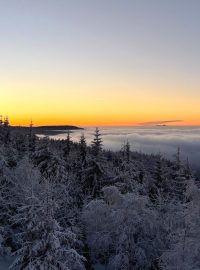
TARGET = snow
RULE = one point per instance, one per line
(99, 266)
(80, 205)
(6, 262)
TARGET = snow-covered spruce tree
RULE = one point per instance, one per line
(177, 156)
(1, 136)
(93, 172)
(1, 130)
(5, 209)
(78, 186)
(92, 178)
(179, 183)
(10, 156)
(7, 191)
(44, 244)
(126, 151)
(20, 143)
(83, 149)
(49, 164)
(1, 121)
(6, 131)
(125, 170)
(158, 186)
(67, 146)
(97, 144)
(42, 156)
(31, 140)
(69, 195)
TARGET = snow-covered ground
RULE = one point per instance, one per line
(6, 262)
(98, 266)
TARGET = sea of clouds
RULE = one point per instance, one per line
(164, 140)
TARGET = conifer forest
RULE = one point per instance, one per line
(76, 206)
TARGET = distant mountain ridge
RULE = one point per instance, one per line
(54, 130)
(49, 130)
(57, 127)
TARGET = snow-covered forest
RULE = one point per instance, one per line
(73, 206)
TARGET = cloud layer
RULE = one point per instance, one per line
(151, 140)
(159, 122)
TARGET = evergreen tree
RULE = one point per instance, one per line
(1, 121)
(6, 122)
(67, 146)
(97, 143)
(1, 130)
(158, 183)
(180, 182)
(178, 159)
(83, 149)
(31, 140)
(188, 170)
(44, 244)
(5, 131)
(20, 143)
(126, 151)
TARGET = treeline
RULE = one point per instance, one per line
(66, 205)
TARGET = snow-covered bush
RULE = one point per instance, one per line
(122, 230)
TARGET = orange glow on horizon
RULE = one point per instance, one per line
(90, 123)
(89, 103)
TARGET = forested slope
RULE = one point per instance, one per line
(66, 205)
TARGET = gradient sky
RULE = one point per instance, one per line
(100, 62)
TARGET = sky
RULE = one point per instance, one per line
(108, 62)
